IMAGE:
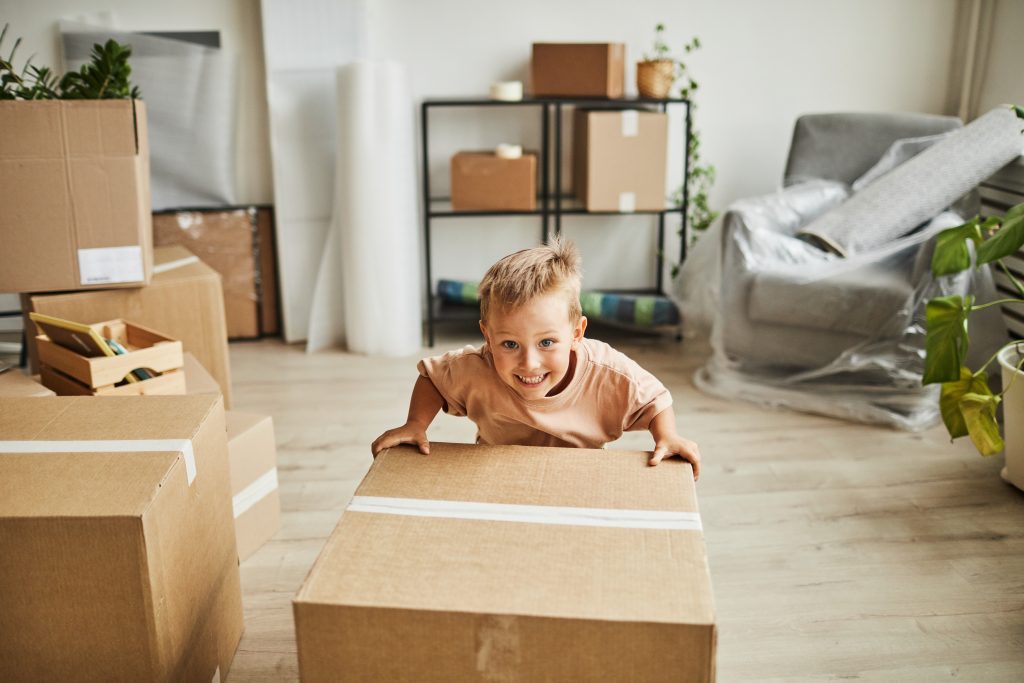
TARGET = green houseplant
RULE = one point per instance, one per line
(967, 403)
(106, 76)
(657, 74)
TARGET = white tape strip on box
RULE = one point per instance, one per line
(630, 123)
(177, 263)
(183, 446)
(254, 492)
(535, 514)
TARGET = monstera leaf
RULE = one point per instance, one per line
(946, 341)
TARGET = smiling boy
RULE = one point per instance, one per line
(537, 381)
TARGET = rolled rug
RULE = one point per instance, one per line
(921, 188)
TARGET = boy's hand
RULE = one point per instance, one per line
(411, 433)
(677, 445)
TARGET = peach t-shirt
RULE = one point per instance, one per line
(608, 394)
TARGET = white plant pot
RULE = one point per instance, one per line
(1013, 415)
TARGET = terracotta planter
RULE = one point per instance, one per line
(654, 79)
(1013, 415)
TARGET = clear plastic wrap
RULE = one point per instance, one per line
(796, 326)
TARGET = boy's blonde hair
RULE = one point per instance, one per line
(520, 277)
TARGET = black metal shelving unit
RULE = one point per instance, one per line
(552, 205)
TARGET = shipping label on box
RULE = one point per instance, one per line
(76, 174)
(512, 563)
(119, 560)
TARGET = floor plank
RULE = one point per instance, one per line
(837, 551)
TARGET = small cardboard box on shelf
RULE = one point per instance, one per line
(620, 159)
(76, 209)
(79, 360)
(524, 563)
(184, 301)
(577, 69)
(252, 453)
(119, 559)
(483, 181)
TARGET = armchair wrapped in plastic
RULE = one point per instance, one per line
(823, 285)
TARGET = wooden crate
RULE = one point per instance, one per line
(147, 349)
(169, 383)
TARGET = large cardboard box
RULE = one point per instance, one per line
(512, 564)
(252, 453)
(76, 206)
(620, 160)
(119, 560)
(184, 301)
(14, 382)
(483, 181)
(577, 69)
(236, 243)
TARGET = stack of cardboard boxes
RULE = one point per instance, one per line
(619, 151)
(119, 517)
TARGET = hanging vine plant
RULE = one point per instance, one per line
(699, 213)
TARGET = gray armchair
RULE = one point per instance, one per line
(822, 309)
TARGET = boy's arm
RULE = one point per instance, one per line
(667, 442)
(424, 405)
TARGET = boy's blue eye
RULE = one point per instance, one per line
(510, 345)
(546, 343)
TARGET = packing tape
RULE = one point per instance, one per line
(506, 151)
(627, 202)
(535, 514)
(630, 123)
(183, 446)
(178, 263)
(254, 492)
(507, 91)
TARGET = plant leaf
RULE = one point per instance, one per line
(949, 400)
(951, 252)
(1007, 240)
(979, 412)
(946, 341)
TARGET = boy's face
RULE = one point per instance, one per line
(532, 345)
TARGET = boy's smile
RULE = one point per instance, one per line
(532, 345)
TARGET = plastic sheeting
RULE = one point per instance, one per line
(373, 242)
(191, 105)
(796, 326)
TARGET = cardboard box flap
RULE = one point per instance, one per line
(40, 130)
(504, 566)
(531, 476)
(119, 452)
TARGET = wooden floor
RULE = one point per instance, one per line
(837, 551)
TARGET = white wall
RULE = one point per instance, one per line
(1003, 81)
(762, 65)
(239, 24)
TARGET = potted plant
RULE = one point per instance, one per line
(658, 71)
(966, 401)
(106, 77)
